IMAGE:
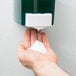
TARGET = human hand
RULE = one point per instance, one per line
(40, 63)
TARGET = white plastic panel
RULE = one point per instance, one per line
(38, 21)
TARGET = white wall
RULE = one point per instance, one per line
(11, 36)
(62, 39)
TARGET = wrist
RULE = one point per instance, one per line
(43, 68)
(48, 69)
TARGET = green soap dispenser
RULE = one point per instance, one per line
(34, 13)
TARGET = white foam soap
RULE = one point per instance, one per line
(38, 46)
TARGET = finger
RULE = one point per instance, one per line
(45, 40)
(27, 38)
(47, 45)
(39, 36)
(33, 36)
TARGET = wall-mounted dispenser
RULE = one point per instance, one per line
(37, 14)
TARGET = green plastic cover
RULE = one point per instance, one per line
(32, 6)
